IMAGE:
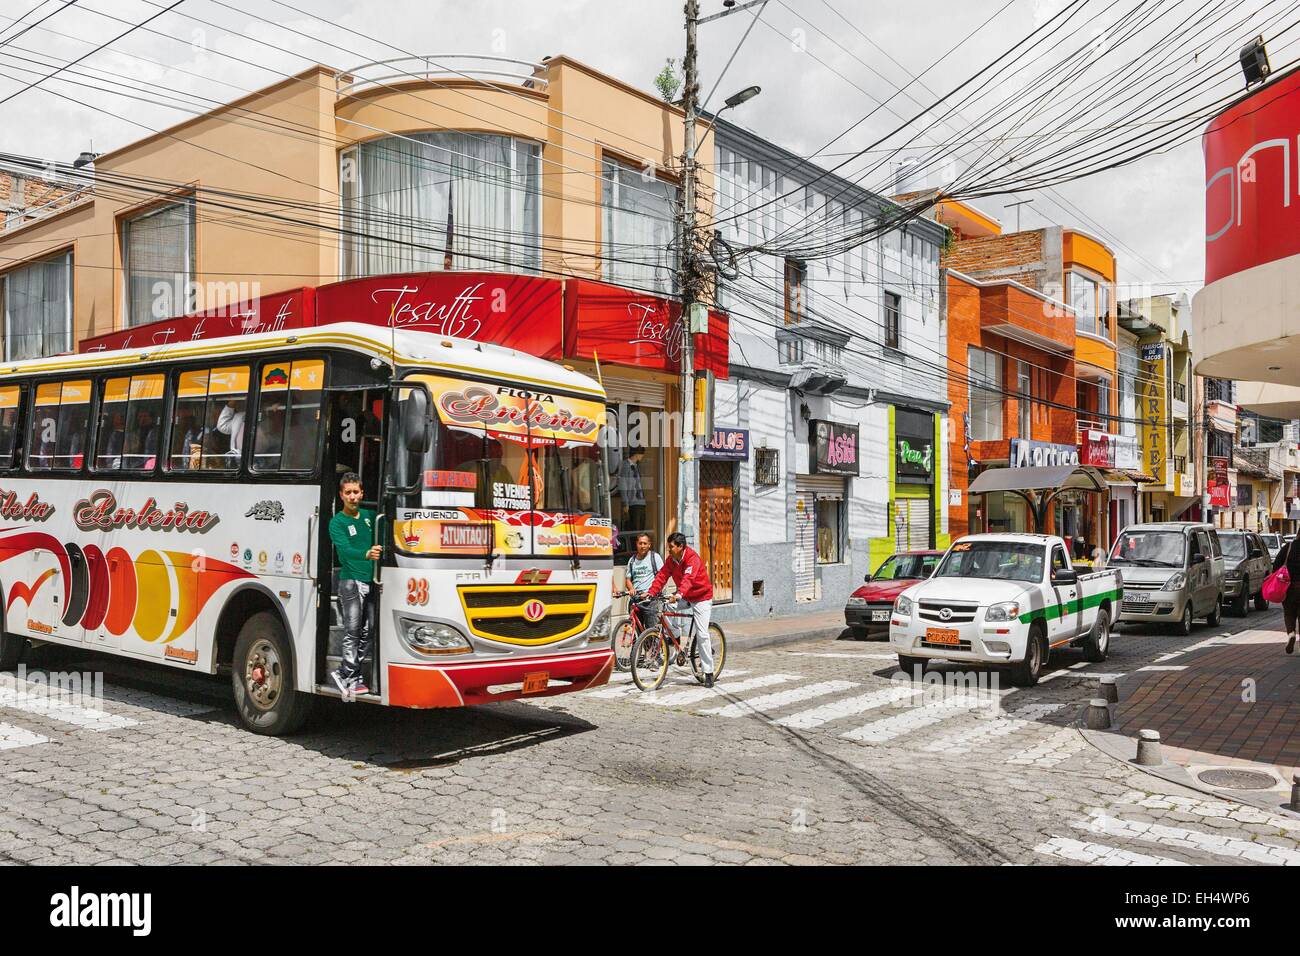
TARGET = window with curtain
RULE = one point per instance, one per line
(158, 263)
(425, 202)
(38, 309)
(639, 226)
(985, 394)
(1128, 392)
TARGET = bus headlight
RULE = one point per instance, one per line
(600, 629)
(1008, 611)
(429, 638)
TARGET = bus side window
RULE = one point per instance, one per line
(10, 403)
(60, 423)
(130, 413)
(289, 416)
(208, 426)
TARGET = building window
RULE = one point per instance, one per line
(796, 291)
(1025, 399)
(767, 467)
(1103, 399)
(639, 225)
(426, 202)
(38, 309)
(791, 351)
(830, 542)
(1090, 300)
(893, 309)
(158, 263)
(1220, 445)
(1218, 390)
(985, 395)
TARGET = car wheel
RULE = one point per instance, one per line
(911, 665)
(860, 633)
(1240, 604)
(1216, 616)
(1096, 646)
(1026, 673)
(1261, 602)
(1184, 625)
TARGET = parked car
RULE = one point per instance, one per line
(1008, 600)
(868, 608)
(1273, 541)
(1172, 573)
(1246, 563)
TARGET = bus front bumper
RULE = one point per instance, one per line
(484, 682)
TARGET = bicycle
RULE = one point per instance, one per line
(658, 646)
(627, 633)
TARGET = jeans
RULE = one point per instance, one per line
(355, 607)
(701, 611)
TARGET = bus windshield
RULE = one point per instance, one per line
(507, 472)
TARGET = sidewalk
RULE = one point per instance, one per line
(768, 631)
(1232, 704)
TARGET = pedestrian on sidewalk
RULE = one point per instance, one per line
(694, 589)
(1290, 556)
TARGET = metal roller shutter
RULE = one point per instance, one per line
(914, 532)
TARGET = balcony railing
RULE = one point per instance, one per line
(489, 70)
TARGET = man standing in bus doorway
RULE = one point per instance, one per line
(352, 532)
(695, 590)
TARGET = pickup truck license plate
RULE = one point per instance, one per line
(880, 615)
(536, 682)
(942, 635)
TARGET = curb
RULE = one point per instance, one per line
(755, 641)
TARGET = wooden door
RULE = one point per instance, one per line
(717, 521)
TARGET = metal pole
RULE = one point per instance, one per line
(690, 279)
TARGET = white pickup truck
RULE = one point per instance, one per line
(1005, 599)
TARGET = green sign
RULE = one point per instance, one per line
(918, 457)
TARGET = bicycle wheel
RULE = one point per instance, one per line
(650, 660)
(718, 642)
(624, 642)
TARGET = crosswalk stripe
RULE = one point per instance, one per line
(1048, 753)
(626, 688)
(780, 699)
(848, 707)
(1099, 854)
(1183, 838)
(56, 708)
(681, 698)
(887, 728)
(1001, 726)
(11, 737)
(863, 657)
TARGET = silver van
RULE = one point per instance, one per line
(1246, 563)
(1172, 573)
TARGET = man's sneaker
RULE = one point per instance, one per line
(344, 687)
(359, 687)
(708, 680)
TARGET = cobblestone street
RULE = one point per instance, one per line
(805, 753)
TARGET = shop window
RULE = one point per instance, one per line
(830, 540)
(10, 403)
(208, 423)
(130, 420)
(56, 438)
(767, 467)
(288, 416)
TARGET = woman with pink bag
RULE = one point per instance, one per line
(1286, 574)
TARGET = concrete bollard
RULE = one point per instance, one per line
(1295, 792)
(1109, 689)
(1148, 754)
(1098, 714)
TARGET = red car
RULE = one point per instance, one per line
(868, 609)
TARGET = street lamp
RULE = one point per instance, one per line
(732, 101)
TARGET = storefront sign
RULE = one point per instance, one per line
(270, 313)
(623, 327)
(1251, 216)
(1027, 453)
(1186, 486)
(1154, 413)
(726, 444)
(914, 446)
(834, 448)
(1220, 491)
(1105, 450)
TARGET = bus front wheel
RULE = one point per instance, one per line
(262, 674)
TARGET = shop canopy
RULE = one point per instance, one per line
(1039, 486)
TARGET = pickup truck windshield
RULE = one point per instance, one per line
(1149, 549)
(1000, 560)
(1234, 545)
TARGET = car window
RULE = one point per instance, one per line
(1060, 562)
(1203, 545)
(1215, 548)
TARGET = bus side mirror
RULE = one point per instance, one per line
(415, 421)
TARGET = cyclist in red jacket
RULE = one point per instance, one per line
(694, 589)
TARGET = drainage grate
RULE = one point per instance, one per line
(1237, 779)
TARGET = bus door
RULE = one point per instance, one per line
(355, 444)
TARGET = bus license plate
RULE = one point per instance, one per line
(536, 682)
(942, 635)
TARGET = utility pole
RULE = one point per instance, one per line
(690, 280)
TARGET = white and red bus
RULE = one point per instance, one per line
(172, 504)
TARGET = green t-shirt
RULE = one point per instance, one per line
(352, 538)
